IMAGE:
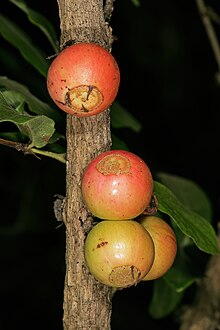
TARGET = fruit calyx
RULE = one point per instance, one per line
(125, 276)
(152, 208)
(83, 98)
(114, 164)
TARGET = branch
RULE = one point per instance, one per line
(18, 146)
(25, 148)
(204, 13)
(204, 313)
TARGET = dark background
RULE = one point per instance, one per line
(168, 83)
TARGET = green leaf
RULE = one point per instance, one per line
(182, 274)
(40, 21)
(14, 99)
(35, 105)
(11, 136)
(21, 40)
(121, 118)
(118, 144)
(189, 222)
(136, 3)
(38, 129)
(188, 192)
(164, 300)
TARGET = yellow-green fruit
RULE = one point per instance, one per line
(165, 246)
(119, 253)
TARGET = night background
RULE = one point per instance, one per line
(168, 82)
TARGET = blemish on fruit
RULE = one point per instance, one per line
(114, 164)
(84, 98)
(101, 244)
(152, 208)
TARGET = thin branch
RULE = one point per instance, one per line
(213, 15)
(204, 13)
(17, 145)
(25, 148)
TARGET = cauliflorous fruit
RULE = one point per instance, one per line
(83, 80)
(117, 185)
(165, 244)
(119, 253)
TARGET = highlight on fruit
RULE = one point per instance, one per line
(117, 185)
(165, 244)
(83, 80)
(119, 253)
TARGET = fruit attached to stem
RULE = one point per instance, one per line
(117, 185)
(165, 244)
(119, 253)
(83, 80)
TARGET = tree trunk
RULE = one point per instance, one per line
(87, 303)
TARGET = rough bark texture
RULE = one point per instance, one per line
(87, 303)
(204, 313)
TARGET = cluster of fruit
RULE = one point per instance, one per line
(125, 246)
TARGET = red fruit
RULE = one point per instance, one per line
(117, 185)
(119, 253)
(83, 80)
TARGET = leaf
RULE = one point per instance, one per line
(40, 21)
(38, 129)
(188, 192)
(20, 39)
(136, 3)
(121, 118)
(14, 99)
(182, 274)
(35, 105)
(118, 144)
(11, 136)
(189, 222)
(164, 300)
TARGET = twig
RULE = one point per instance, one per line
(204, 13)
(17, 145)
(25, 148)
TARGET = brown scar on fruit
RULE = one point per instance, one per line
(90, 88)
(84, 108)
(68, 100)
(101, 244)
(133, 274)
(152, 208)
(114, 164)
(83, 98)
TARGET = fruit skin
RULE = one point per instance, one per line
(165, 244)
(117, 185)
(83, 74)
(119, 253)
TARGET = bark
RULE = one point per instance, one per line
(204, 313)
(87, 303)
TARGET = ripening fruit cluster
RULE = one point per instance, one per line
(126, 246)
